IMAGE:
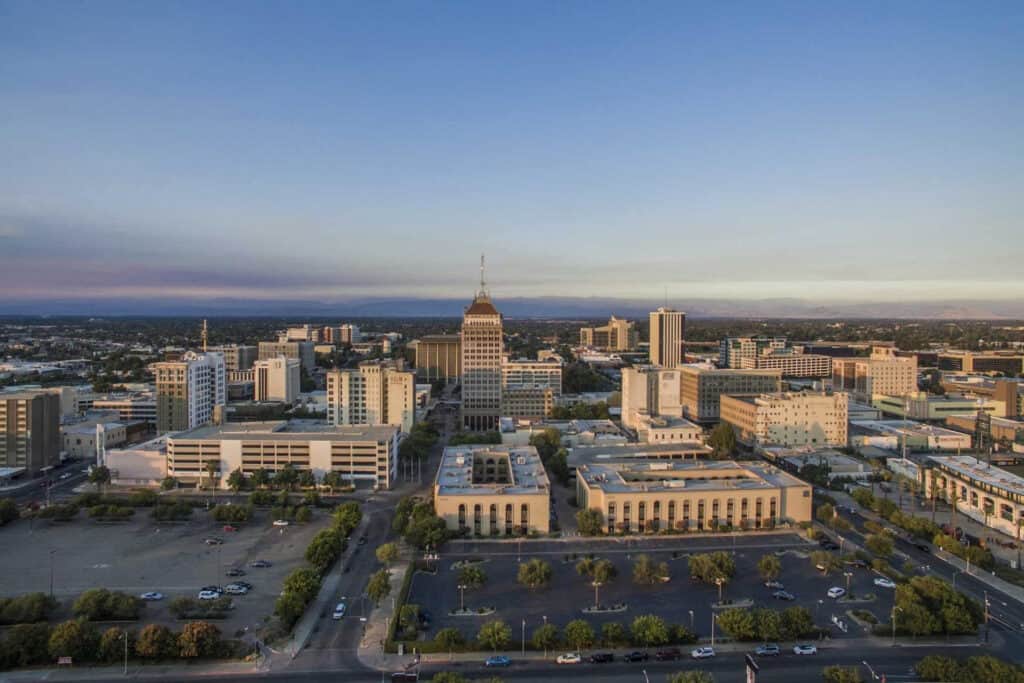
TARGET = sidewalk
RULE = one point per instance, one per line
(135, 671)
(371, 647)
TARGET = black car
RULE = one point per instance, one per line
(668, 655)
(235, 571)
(602, 657)
(212, 589)
(260, 564)
(923, 547)
(635, 657)
(829, 545)
(362, 540)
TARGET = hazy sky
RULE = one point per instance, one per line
(326, 150)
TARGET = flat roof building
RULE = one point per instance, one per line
(30, 431)
(617, 335)
(439, 357)
(1011, 364)
(732, 350)
(893, 435)
(667, 331)
(702, 387)
(377, 392)
(493, 491)
(649, 391)
(790, 363)
(692, 496)
(985, 493)
(787, 418)
(236, 356)
(301, 350)
(189, 391)
(363, 453)
(883, 374)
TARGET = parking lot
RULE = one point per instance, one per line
(143, 555)
(680, 601)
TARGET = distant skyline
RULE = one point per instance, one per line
(829, 152)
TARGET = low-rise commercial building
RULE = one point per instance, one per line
(493, 491)
(692, 496)
(932, 408)
(787, 419)
(702, 388)
(80, 439)
(572, 432)
(790, 363)
(668, 430)
(130, 408)
(1007, 392)
(360, 454)
(1001, 428)
(895, 435)
(1009, 364)
(617, 335)
(985, 493)
(601, 453)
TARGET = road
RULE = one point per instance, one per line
(61, 488)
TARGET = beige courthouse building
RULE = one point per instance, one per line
(692, 495)
(493, 491)
(788, 418)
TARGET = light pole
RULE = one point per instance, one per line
(895, 609)
(817, 607)
(545, 638)
(462, 597)
(691, 621)
(646, 679)
(713, 616)
(718, 582)
(848, 575)
(52, 551)
(125, 636)
(986, 615)
(523, 638)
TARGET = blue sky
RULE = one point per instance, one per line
(834, 151)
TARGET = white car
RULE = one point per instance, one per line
(235, 589)
(280, 522)
(883, 582)
(339, 611)
(152, 595)
(569, 658)
(836, 592)
(208, 595)
(805, 650)
(702, 653)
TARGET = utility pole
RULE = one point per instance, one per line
(894, 611)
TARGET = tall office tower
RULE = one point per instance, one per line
(667, 328)
(189, 390)
(649, 391)
(29, 431)
(375, 393)
(276, 379)
(236, 356)
(438, 357)
(482, 349)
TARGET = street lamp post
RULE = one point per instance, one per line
(848, 575)
(462, 597)
(125, 636)
(691, 622)
(986, 615)
(718, 582)
(52, 551)
(713, 617)
(894, 611)
(545, 638)
(523, 638)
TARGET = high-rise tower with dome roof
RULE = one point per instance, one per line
(482, 348)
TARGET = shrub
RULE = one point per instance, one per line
(262, 498)
(156, 642)
(75, 638)
(100, 604)
(190, 608)
(26, 609)
(24, 645)
(199, 639)
(168, 512)
(232, 513)
(59, 513)
(8, 511)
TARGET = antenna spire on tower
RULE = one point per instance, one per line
(483, 281)
(204, 335)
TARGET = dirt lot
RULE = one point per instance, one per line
(143, 555)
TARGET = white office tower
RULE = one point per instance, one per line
(277, 379)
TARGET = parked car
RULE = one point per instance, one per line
(339, 611)
(602, 657)
(213, 540)
(569, 658)
(635, 656)
(883, 582)
(858, 564)
(362, 540)
(280, 522)
(924, 547)
(805, 650)
(668, 654)
(152, 595)
(235, 571)
(230, 528)
(208, 595)
(212, 589)
(702, 652)
(235, 589)
(260, 564)
(829, 545)
(244, 584)
(783, 595)
(497, 660)
(774, 584)
(768, 650)
(835, 592)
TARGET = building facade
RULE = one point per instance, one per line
(1010, 364)
(361, 454)
(617, 335)
(236, 356)
(649, 391)
(884, 373)
(532, 373)
(985, 493)
(189, 391)
(790, 363)
(493, 491)
(374, 393)
(129, 408)
(301, 350)
(646, 497)
(732, 350)
(276, 379)
(788, 419)
(30, 431)
(482, 345)
(439, 358)
(666, 344)
(701, 388)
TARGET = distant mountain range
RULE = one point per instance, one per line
(537, 307)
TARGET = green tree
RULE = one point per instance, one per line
(711, 567)
(723, 440)
(695, 676)
(156, 642)
(647, 572)
(8, 511)
(25, 644)
(286, 477)
(289, 607)
(472, 576)
(324, 549)
(649, 629)
(100, 476)
(168, 483)
(613, 634)
(938, 668)
(841, 674)
(303, 582)
(307, 479)
(590, 522)
(210, 467)
(333, 480)
(534, 573)
(797, 622)
(387, 553)
(824, 560)
(75, 639)
(236, 480)
(347, 517)
(825, 513)
(494, 635)
(409, 618)
(261, 478)
(379, 586)
(199, 639)
(770, 567)
(768, 624)
(738, 624)
(545, 637)
(879, 544)
(599, 572)
(449, 639)
(579, 634)
(112, 644)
